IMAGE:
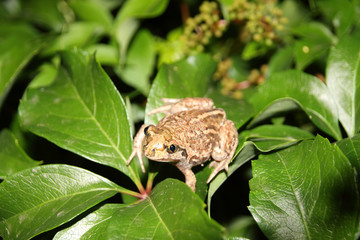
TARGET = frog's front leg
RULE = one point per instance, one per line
(225, 149)
(190, 178)
(138, 147)
(174, 105)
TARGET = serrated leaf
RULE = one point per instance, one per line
(285, 90)
(343, 80)
(171, 211)
(93, 226)
(42, 198)
(16, 50)
(307, 191)
(82, 112)
(12, 156)
(187, 78)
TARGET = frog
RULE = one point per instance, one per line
(192, 132)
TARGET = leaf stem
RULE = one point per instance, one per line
(150, 182)
(131, 193)
(138, 183)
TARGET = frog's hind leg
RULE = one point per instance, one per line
(224, 152)
(174, 105)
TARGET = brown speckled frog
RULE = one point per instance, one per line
(192, 131)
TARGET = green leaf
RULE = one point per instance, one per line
(254, 49)
(282, 60)
(92, 11)
(343, 80)
(16, 50)
(340, 13)
(78, 34)
(264, 138)
(123, 33)
(170, 50)
(244, 153)
(243, 227)
(296, 12)
(267, 138)
(47, 74)
(82, 112)
(316, 39)
(17, 28)
(283, 90)
(238, 111)
(93, 226)
(139, 62)
(106, 54)
(141, 9)
(307, 191)
(42, 198)
(45, 13)
(126, 21)
(172, 211)
(12, 156)
(187, 78)
(351, 148)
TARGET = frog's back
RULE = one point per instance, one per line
(194, 129)
(193, 119)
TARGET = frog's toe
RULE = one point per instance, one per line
(132, 155)
(219, 166)
(212, 164)
(138, 153)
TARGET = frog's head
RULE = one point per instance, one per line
(160, 146)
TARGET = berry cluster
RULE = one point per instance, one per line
(228, 84)
(233, 88)
(259, 21)
(262, 21)
(200, 29)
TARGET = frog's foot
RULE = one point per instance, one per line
(138, 147)
(174, 105)
(219, 166)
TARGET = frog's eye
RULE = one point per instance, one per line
(172, 148)
(146, 130)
